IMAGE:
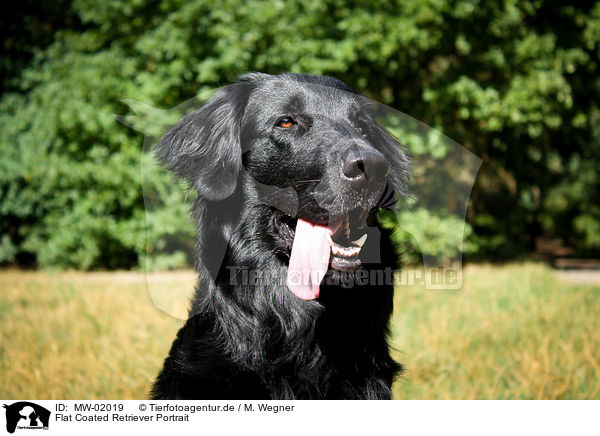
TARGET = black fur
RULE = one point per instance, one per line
(258, 340)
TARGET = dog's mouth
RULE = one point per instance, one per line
(346, 237)
(316, 247)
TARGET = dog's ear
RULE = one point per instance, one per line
(204, 147)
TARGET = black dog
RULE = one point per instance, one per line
(290, 171)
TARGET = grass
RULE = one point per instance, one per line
(511, 332)
(79, 336)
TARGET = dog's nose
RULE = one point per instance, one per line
(362, 167)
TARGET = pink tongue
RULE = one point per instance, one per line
(309, 260)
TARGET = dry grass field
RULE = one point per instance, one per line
(514, 331)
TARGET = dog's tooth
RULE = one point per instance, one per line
(361, 241)
(342, 251)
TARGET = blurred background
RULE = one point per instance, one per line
(514, 82)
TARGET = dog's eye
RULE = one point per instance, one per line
(285, 122)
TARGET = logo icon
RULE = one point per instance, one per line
(26, 415)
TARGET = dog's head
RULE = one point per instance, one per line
(312, 144)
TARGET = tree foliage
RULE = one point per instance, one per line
(514, 81)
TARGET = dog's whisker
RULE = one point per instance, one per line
(308, 181)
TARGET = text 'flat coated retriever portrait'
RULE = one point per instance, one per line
(295, 286)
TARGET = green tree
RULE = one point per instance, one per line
(514, 81)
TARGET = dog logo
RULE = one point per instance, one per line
(26, 415)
